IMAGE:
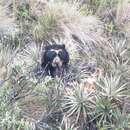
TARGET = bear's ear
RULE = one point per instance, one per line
(63, 46)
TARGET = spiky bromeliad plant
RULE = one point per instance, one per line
(121, 120)
(79, 103)
(111, 93)
(112, 88)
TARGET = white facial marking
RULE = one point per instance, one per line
(57, 51)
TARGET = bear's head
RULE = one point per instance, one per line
(54, 57)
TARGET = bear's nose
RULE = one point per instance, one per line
(57, 62)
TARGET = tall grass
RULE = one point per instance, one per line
(89, 38)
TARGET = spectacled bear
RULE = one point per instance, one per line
(55, 60)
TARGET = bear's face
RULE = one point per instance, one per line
(55, 56)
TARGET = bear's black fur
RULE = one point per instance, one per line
(55, 60)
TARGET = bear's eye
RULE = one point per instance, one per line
(50, 55)
(63, 55)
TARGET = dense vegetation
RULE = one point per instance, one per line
(94, 93)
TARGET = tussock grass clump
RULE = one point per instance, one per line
(62, 20)
(51, 20)
(7, 23)
(46, 26)
(7, 54)
(30, 55)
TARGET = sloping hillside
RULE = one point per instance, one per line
(93, 94)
